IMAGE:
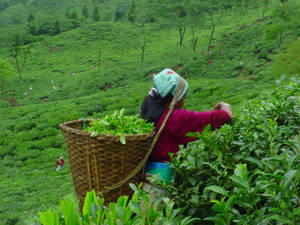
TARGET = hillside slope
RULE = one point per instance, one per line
(62, 81)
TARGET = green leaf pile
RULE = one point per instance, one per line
(119, 124)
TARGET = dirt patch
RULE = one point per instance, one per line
(173, 67)
(176, 67)
(259, 20)
(11, 101)
(58, 71)
(151, 74)
(55, 49)
(44, 98)
(243, 26)
(105, 87)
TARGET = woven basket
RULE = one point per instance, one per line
(102, 161)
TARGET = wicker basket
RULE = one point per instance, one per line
(102, 161)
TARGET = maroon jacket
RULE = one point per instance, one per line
(178, 125)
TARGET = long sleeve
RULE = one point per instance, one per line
(179, 124)
(184, 121)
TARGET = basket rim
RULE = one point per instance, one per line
(65, 127)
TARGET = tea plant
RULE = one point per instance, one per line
(119, 124)
(246, 172)
(138, 211)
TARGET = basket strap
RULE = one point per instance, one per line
(84, 123)
(179, 90)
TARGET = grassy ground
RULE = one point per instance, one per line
(67, 84)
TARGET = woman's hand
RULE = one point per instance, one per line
(224, 106)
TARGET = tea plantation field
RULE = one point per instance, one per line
(96, 68)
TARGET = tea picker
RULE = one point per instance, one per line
(60, 163)
(103, 163)
(163, 107)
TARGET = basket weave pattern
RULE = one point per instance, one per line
(102, 161)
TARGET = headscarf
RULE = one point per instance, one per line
(167, 82)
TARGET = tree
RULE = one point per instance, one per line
(56, 29)
(74, 15)
(287, 63)
(99, 59)
(245, 4)
(5, 71)
(213, 24)
(96, 16)
(194, 40)
(265, 5)
(85, 12)
(132, 11)
(283, 5)
(287, 17)
(20, 53)
(15, 53)
(68, 14)
(142, 44)
(30, 18)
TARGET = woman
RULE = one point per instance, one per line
(166, 99)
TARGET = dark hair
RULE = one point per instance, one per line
(153, 107)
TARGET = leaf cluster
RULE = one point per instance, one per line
(119, 124)
(137, 211)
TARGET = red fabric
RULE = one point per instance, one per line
(60, 162)
(178, 125)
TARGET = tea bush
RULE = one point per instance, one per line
(246, 172)
(139, 210)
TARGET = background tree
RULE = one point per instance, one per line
(5, 72)
(180, 15)
(194, 38)
(68, 14)
(16, 51)
(243, 8)
(283, 5)
(195, 21)
(287, 63)
(142, 43)
(30, 18)
(56, 29)
(74, 15)
(285, 18)
(20, 53)
(99, 59)
(214, 20)
(132, 11)
(85, 12)
(96, 16)
(265, 5)
(215, 10)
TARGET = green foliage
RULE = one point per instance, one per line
(30, 18)
(286, 18)
(30, 138)
(139, 210)
(286, 62)
(96, 16)
(6, 72)
(247, 172)
(132, 12)
(85, 12)
(119, 124)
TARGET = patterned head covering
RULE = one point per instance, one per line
(167, 81)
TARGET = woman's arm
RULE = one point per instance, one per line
(224, 106)
(185, 121)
